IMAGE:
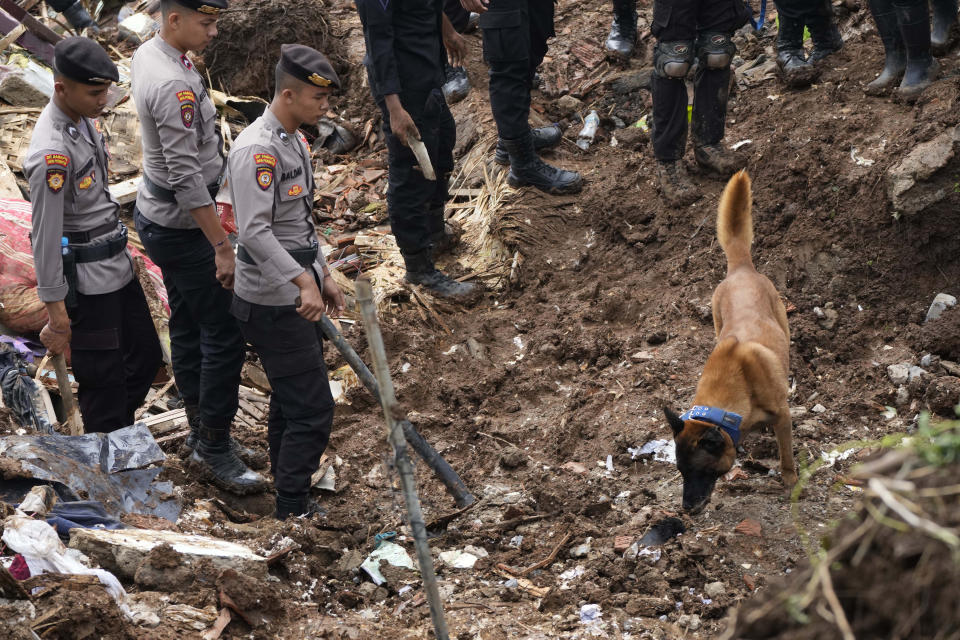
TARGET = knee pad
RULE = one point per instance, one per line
(715, 50)
(673, 59)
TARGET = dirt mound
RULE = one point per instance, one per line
(941, 336)
(889, 571)
(242, 58)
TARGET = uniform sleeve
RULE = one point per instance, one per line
(48, 173)
(175, 110)
(377, 19)
(253, 186)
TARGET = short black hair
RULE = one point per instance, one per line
(283, 80)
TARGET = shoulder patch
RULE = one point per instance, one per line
(186, 96)
(188, 109)
(56, 159)
(56, 179)
(265, 158)
(264, 177)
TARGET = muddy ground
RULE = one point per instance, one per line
(608, 322)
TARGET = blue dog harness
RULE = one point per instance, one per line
(726, 420)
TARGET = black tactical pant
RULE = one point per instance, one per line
(115, 356)
(515, 34)
(205, 341)
(804, 9)
(687, 22)
(415, 203)
(301, 405)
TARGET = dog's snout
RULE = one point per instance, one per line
(695, 507)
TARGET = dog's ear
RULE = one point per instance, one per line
(712, 441)
(675, 422)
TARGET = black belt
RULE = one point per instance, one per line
(99, 252)
(304, 257)
(170, 196)
(82, 237)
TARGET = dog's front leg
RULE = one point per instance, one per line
(783, 430)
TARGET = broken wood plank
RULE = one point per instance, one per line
(166, 422)
(522, 582)
(35, 26)
(221, 623)
(29, 41)
(8, 183)
(125, 192)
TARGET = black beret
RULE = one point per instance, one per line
(84, 60)
(209, 7)
(308, 65)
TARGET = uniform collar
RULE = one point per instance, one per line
(273, 124)
(71, 129)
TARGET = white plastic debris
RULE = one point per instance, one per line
(392, 554)
(742, 143)
(516, 541)
(458, 559)
(831, 457)
(590, 612)
(609, 462)
(860, 160)
(662, 450)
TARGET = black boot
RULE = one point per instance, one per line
(675, 186)
(944, 17)
(421, 271)
(623, 31)
(791, 59)
(216, 459)
(824, 32)
(895, 62)
(543, 138)
(76, 14)
(526, 168)
(297, 506)
(457, 84)
(254, 459)
(921, 67)
(444, 235)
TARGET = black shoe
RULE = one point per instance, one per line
(421, 271)
(526, 168)
(623, 31)
(794, 68)
(718, 159)
(457, 84)
(921, 67)
(824, 32)
(77, 15)
(297, 507)
(944, 17)
(543, 138)
(254, 459)
(215, 458)
(896, 56)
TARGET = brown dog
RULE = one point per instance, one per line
(744, 383)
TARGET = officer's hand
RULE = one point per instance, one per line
(311, 302)
(477, 6)
(456, 48)
(55, 339)
(226, 263)
(402, 125)
(333, 297)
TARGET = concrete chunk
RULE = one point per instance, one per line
(122, 551)
(911, 183)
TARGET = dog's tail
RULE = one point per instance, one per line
(735, 220)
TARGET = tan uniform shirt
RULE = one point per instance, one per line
(178, 126)
(271, 181)
(67, 169)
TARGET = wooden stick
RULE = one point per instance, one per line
(66, 394)
(550, 558)
(142, 410)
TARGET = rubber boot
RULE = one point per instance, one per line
(253, 459)
(422, 271)
(543, 138)
(77, 15)
(623, 31)
(885, 18)
(216, 459)
(457, 84)
(944, 17)
(823, 31)
(526, 168)
(297, 506)
(675, 185)
(921, 67)
(791, 59)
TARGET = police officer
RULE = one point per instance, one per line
(817, 16)
(405, 42)
(623, 31)
(282, 283)
(178, 225)
(515, 35)
(85, 274)
(688, 30)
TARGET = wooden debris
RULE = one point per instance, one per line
(10, 587)
(522, 582)
(8, 183)
(166, 422)
(221, 623)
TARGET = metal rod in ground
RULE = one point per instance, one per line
(396, 438)
(451, 480)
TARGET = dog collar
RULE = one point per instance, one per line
(726, 420)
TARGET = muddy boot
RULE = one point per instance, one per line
(718, 159)
(824, 32)
(944, 17)
(457, 84)
(921, 67)
(297, 506)
(791, 59)
(623, 32)
(421, 271)
(896, 57)
(192, 412)
(444, 235)
(526, 168)
(216, 459)
(675, 186)
(543, 138)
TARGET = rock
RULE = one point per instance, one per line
(568, 105)
(366, 589)
(797, 412)
(690, 621)
(657, 337)
(829, 319)
(915, 372)
(930, 362)
(622, 543)
(808, 426)
(480, 552)
(123, 551)
(25, 88)
(750, 527)
(941, 302)
(715, 590)
(899, 373)
(642, 355)
(477, 350)
(164, 570)
(357, 200)
(818, 408)
(632, 82)
(911, 186)
(573, 467)
(458, 559)
(903, 396)
(750, 581)
(943, 394)
(512, 458)
(632, 138)
(581, 550)
(647, 606)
